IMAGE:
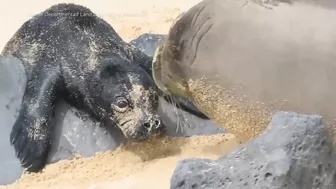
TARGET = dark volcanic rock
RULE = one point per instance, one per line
(182, 124)
(293, 153)
(148, 43)
(12, 80)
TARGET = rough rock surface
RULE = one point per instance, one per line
(293, 153)
(11, 91)
(75, 133)
(147, 43)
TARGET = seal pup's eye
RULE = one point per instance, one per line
(121, 105)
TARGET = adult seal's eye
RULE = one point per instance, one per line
(122, 105)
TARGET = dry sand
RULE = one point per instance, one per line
(135, 166)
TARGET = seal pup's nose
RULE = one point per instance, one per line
(152, 124)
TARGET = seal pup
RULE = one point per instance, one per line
(240, 61)
(69, 53)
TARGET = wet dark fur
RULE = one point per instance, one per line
(55, 50)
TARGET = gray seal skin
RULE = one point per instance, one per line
(71, 54)
(240, 61)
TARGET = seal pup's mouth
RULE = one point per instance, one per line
(143, 130)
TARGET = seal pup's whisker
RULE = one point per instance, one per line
(123, 123)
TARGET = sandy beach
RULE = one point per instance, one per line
(129, 17)
(135, 166)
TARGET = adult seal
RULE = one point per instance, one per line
(69, 53)
(240, 61)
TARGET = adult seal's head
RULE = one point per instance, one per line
(241, 61)
(172, 62)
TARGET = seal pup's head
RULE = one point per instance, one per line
(127, 96)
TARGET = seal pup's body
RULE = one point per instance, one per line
(69, 53)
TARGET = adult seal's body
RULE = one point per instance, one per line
(240, 61)
(69, 53)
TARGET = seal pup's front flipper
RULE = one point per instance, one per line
(31, 133)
